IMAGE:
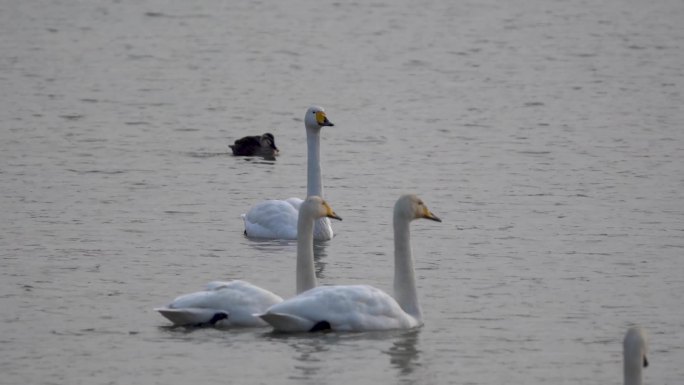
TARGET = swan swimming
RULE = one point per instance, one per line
(634, 351)
(277, 219)
(361, 307)
(263, 145)
(234, 303)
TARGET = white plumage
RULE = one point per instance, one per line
(236, 300)
(634, 351)
(234, 303)
(277, 219)
(344, 308)
(361, 307)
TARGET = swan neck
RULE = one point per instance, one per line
(314, 185)
(306, 274)
(632, 370)
(405, 291)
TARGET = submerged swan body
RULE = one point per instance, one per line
(361, 307)
(263, 145)
(634, 351)
(277, 219)
(234, 303)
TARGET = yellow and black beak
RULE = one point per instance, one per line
(330, 213)
(322, 119)
(427, 214)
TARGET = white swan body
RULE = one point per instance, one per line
(343, 308)
(361, 307)
(234, 303)
(634, 351)
(277, 219)
(274, 218)
(228, 304)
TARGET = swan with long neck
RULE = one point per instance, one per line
(233, 303)
(361, 307)
(277, 219)
(634, 351)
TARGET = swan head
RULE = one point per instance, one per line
(635, 350)
(410, 207)
(318, 208)
(316, 118)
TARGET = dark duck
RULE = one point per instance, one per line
(263, 145)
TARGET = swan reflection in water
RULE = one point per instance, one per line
(313, 353)
(289, 247)
(404, 355)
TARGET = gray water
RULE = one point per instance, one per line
(548, 136)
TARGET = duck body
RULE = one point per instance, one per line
(263, 145)
(277, 219)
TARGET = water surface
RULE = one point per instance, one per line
(546, 134)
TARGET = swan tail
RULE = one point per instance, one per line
(287, 322)
(193, 316)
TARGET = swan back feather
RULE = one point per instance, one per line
(273, 219)
(239, 300)
(345, 308)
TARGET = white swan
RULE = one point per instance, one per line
(277, 219)
(361, 307)
(634, 351)
(234, 303)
